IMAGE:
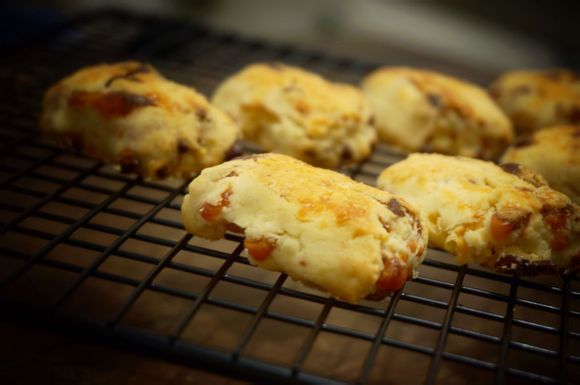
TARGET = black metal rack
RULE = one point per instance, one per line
(89, 251)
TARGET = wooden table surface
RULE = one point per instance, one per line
(32, 356)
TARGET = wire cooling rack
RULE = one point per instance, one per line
(87, 251)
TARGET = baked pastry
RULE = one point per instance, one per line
(130, 115)
(555, 154)
(504, 217)
(318, 226)
(419, 110)
(288, 110)
(537, 99)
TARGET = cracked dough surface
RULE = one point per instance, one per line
(318, 226)
(554, 153)
(420, 110)
(129, 115)
(504, 217)
(291, 111)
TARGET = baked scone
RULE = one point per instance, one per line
(537, 99)
(503, 217)
(555, 154)
(318, 226)
(130, 115)
(288, 110)
(420, 110)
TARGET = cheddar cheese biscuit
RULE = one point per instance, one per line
(129, 115)
(318, 226)
(537, 99)
(288, 110)
(504, 217)
(419, 110)
(555, 154)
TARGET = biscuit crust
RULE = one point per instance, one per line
(420, 110)
(291, 111)
(129, 115)
(554, 153)
(504, 217)
(318, 226)
(535, 100)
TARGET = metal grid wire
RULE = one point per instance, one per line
(89, 251)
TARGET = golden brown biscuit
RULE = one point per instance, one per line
(318, 226)
(288, 110)
(504, 217)
(419, 110)
(554, 153)
(537, 99)
(128, 114)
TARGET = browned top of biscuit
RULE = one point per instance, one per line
(469, 100)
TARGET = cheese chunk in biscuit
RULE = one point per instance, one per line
(320, 227)
(504, 217)
(291, 111)
(129, 115)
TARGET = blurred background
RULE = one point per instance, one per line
(479, 38)
(473, 39)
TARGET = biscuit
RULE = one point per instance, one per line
(320, 227)
(555, 154)
(129, 115)
(419, 110)
(504, 217)
(291, 111)
(537, 99)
